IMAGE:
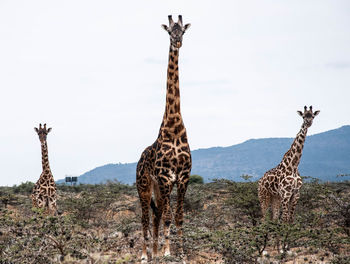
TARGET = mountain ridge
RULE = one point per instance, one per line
(325, 155)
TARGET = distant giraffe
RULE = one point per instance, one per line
(282, 183)
(44, 191)
(168, 161)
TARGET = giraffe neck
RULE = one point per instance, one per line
(172, 107)
(45, 157)
(292, 157)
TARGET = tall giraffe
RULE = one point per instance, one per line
(282, 183)
(168, 160)
(44, 191)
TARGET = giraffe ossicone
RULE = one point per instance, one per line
(281, 185)
(44, 194)
(168, 160)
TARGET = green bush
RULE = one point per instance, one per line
(338, 205)
(196, 179)
(8, 198)
(244, 197)
(194, 199)
(41, 239)
(222, 223)
(25, 188)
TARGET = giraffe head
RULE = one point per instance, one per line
(176, 31)
(42, 132)
(308, 115)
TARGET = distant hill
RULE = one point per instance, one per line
(325, 155)
(124, 173)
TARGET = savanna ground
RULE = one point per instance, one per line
(101, 224)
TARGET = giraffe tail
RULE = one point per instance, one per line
(154, 207)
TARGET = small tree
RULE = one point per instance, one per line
(196, 179)
(244, 196)
(24, 188)
(338, 205)
(7, 198)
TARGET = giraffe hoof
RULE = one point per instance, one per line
(143, 259)
(167, 253)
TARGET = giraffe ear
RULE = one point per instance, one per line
(187, 26)
(165, 27)
(316, 112)
(49, 130)
(36, 130)
(300, 113)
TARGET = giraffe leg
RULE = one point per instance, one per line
(264, 198)
(145, 200)
(275, 205)
(40, 201)
(34, 196)
(47, 205)
(145, 227)
(34, 202)
(156, 222)
(285, 206)
(181, 191)
(52, 206)
(167, 221)
(51, 198)
(162, 193)
(293, 204)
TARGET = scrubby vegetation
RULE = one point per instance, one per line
(101, 224)
(196, 179)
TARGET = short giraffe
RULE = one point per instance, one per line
(282, 183)
(168, 160)
(44, 191)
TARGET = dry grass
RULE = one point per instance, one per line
(101, 224)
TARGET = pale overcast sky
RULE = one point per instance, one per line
(95, 71)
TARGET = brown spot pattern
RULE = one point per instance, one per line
(44, 191)
(281, 185)
(163, 164)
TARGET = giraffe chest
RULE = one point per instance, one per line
(291, 182)
(277, 181)
(172, 159)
